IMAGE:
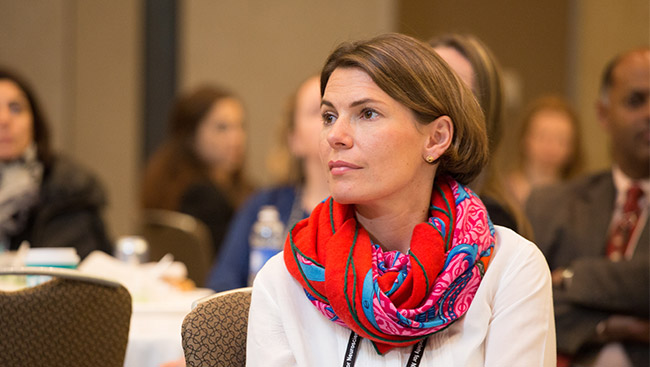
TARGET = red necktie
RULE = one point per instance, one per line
(619, 238)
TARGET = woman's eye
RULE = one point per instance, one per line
(328, 118)
(16, 108)
(220, 127)
(369, 114)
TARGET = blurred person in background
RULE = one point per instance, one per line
(550, 148)
(297, 163)
(45, 198)
(478, 68)
(198, 170)
(594, 232)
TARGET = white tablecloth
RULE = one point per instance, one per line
(155, 334)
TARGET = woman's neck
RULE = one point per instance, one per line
(315, 188)
(220, 177)
(390, 223)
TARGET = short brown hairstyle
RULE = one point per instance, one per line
(487, 73)
(410, 72)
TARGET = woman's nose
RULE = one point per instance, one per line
(4, 115)
(238, 137)
(340, 134)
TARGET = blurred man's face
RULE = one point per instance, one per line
(625, 114)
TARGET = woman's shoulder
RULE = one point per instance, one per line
(205, 201)
(203, 188)
(65, 178)
(205, 193)
(517, 270)
(514, 253)
(275, 278)
(510, 241)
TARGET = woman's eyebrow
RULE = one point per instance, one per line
(353, 104)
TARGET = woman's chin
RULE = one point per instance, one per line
(350, 197)
(343, 198)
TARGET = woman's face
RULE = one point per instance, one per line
(220, 137)
(369, 145)
(459, 63)
(549, 141)
(16, 121)
(308, 121)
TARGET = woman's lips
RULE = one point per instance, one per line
(341, 167)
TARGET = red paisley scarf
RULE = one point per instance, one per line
(391, 298)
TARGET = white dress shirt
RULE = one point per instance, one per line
(509, 323)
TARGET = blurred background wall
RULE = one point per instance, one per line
(91, 63)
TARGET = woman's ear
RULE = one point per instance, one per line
(440, 133)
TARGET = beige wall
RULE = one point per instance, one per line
(264, 49)
(529, 39)
(107, 113)
(35, 42)
(82, 58)
(553, 46)
(603, 29)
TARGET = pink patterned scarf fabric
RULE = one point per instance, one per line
(391, 298)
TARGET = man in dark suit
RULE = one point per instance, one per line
(594, 232)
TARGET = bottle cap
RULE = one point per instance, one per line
(268, 213)
(132, 249)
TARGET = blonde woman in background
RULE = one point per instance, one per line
(550, 148)
(478, 68)
(297, 165)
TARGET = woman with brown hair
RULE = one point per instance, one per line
(199, 168)
(46, 199)
(401, 265)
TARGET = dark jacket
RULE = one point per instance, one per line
(207, 203)
(571, 223)
(68, 211)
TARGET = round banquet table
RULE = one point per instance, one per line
(155, 333)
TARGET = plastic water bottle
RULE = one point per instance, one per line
(132, 250)
(266, 239)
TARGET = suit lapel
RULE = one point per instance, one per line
(596, 207)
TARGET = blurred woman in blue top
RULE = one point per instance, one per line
(305, 186)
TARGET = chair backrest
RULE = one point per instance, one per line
(70, 320)
(214, 332)
(182, 235)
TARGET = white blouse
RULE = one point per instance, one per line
(509, 323)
